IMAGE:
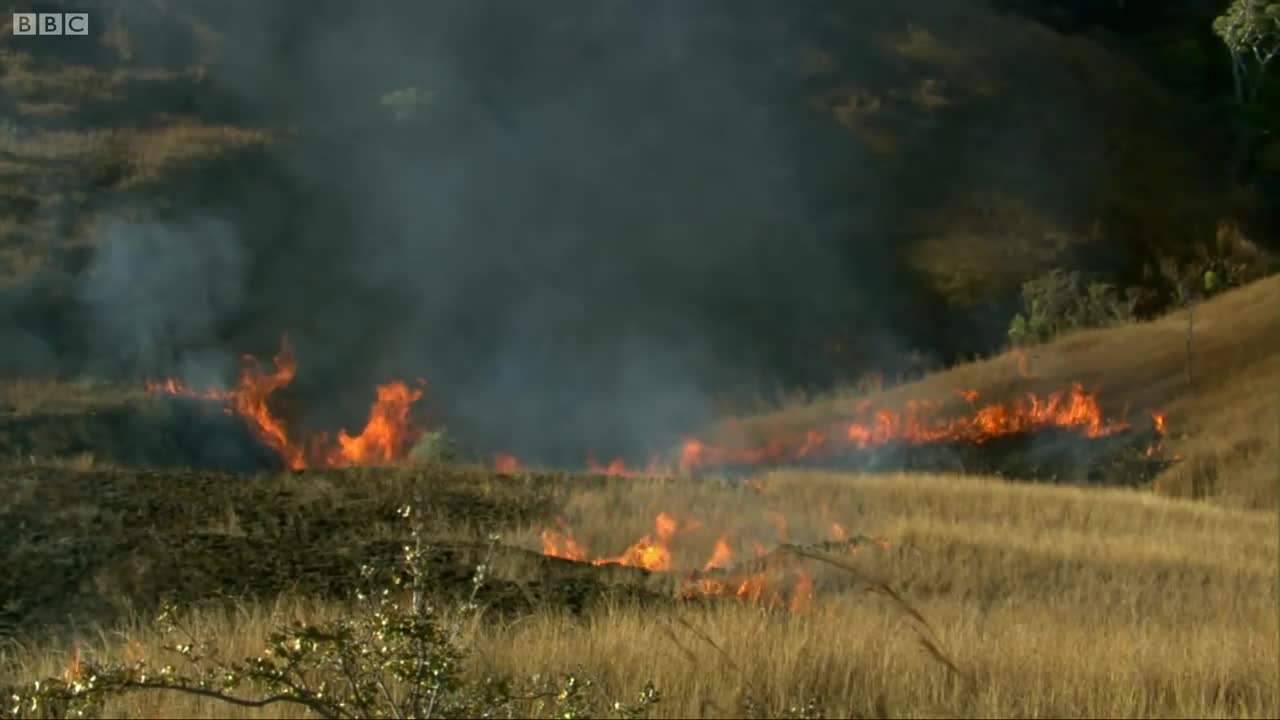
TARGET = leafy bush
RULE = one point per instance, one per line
(434, 447)
(393, 658)
(1231, 260)
(1055, 302)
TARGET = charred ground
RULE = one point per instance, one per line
(604, 229)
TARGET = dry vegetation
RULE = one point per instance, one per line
(1051, 601)
(1059, 602)
(1224, 425)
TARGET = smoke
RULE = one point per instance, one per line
(157, 295)
(579, 227)
(584, 223)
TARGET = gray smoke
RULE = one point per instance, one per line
(157, 294)
(583, 222)
(576, 231)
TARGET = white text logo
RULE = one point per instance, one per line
(50, 23)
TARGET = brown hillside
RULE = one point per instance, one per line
(1224, 427)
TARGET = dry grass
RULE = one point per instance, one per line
(149, 154)
(1052, 601)
(25, 396)
(1225, 427)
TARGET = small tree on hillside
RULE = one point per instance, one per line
(1251, 31)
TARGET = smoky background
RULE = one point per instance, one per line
(588, 225)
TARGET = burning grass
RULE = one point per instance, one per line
(1050, 601)
(386, 439)
(876, 433)
(1222, 431)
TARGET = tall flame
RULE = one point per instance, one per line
(386, 438)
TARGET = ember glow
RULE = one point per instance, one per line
(386, 438)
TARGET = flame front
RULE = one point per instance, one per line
(917, 423)
(387, 435)
(757, 584)
(385, 439)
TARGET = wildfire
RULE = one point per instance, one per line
(386, 438)
(760, 581)
(651, 552)
(1157, 420)
(389, 434)
(917, 423)
(506, 463)
(1157, 424)
(562, 545)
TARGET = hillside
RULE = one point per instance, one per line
(1067, 602)
(909, 165)
(456, 306)
(1223, 421)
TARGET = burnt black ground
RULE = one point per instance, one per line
(84, 548)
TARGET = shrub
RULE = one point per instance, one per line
(392, 658)
(434, 447)
(1055, 302)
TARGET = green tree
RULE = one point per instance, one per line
(1251, 31)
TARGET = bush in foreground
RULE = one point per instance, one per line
(393, 658)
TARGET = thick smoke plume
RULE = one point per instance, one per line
(584, 223)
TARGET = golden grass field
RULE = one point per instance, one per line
(1224, 423)
(1160, 601)
(1052, 602)
(1056, 601)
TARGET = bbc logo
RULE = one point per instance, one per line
(50, 23)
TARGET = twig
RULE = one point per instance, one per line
(321, 709)
(1191, 320)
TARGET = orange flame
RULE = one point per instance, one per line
(652, 552)
(385, 439)
(648, 552)
(721, 556)
(562, 545)
(74, 669)
(506, 463)
(1158, 420)
(802, 593)
(915, 423)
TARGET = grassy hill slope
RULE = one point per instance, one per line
(1068, 602)
(1223, 420)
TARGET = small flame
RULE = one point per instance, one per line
(758, 584)
(562, 545)
(1157, 420)
(650, 552)
(802, 593)
(74, 668)
(721, 556)
(506, 463)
